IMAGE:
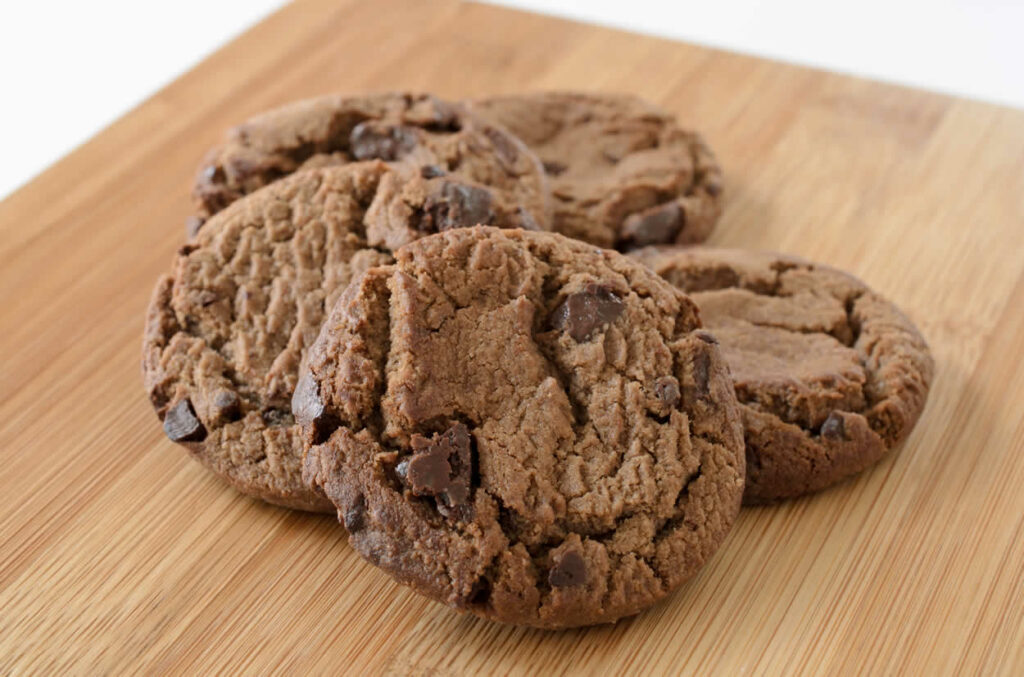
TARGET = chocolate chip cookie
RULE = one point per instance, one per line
(829, 375)
(523, 426)
(434, 136)
(227, 330)
(623, 173)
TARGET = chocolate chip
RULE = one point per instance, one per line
(309, 409)
(371, 141)
(503, 146)
(834, 427)
(584, 311)
(226, 404)
(213, 173)
(192, 226)
(456, 205)
(713, 187)
(440, 466)
(306, 404)
(355, 517)
(553, 167)
(701, 366)
(569, 569)
(706, 337)
(656, 225)
(666, 389)
(699, 389)
(426, 472)
(431, 171)
(181, 423)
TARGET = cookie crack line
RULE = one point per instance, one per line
(577, 401)
(837, 334)
(814, 432)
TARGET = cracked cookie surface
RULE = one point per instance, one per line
(622, 172)
(227, 330)
(433, 136)
(523, 426)
(829, 375)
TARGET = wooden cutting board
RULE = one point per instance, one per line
(120, 555)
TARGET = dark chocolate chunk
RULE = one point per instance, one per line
(553, 167)
(569, 569)
(306, 404)
(713, 187)
(226, 404)
(666, 389)
(426, 472)
(834, 428)
(440, 466)
(181, 423)
(656, 225)
(370, 141)
(308, 409)
(698, 387)
(431, 171)
(503, 147)
(701, 366)
(456, 206)
(354, 518)
(584, 311)
(213, 173)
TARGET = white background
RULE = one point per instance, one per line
(68, 68)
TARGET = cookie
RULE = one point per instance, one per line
(623, 173)
(523, 426)
(434, 136)
(830, 375)
(227, 330)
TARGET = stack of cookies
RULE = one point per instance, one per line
(481, 334)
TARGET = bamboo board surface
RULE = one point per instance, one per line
(120, 555)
